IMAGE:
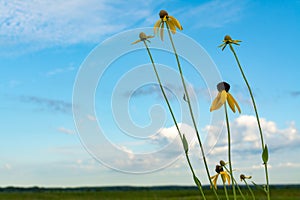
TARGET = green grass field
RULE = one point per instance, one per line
(140, 194)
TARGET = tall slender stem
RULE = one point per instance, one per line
(173, 116)
(229, 151)
(225, 190)
(252, 194)
(191, 110)
(257, 117)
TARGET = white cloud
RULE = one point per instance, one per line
(65, 130)
(245, 135)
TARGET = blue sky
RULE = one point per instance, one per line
(43, 44)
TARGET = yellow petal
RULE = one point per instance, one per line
(156, 26)
(215, 180)
(231, 102)
(223, 176)
(228, 178)
(235, 102)
(136, 41)
(172, 27)
(219, 101)
(162, 31)
(165, 18)
(176, 22)
(150, 36)
(215, 102)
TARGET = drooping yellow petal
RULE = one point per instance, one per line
(214, 180)
(225, 177)
(136, 41)
(234, 102)
(231, 102)
(162, 31)
(215, 102)
(172, 27)
(219, 100)
(176, 22)
(156, 26)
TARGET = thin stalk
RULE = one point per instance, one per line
(191, 110)
(237, 185)
(225, 190)
(172, 114)
(256, 114)
(229, 151)
(249, 188)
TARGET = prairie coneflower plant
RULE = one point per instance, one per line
(243, 178)
(225, 177)
(144, 38)
(265, 155)
(171, 24)
(221, 99)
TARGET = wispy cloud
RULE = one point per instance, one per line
(65, 130)
(295, 93)
(50, 23)
(60, 71)
(49, 104)
(214, 14)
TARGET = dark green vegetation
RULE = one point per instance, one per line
(138, 193)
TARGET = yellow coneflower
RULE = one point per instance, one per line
(228, 40)
(222, 96)
(170, 21)
(243, 177)
(143, 37)
(224, 175)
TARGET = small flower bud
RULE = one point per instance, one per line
(227, 38)
(163, 13)
(143, 36)
(222, 163)
(223, 86)
(243, 177)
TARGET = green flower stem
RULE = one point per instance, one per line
(225, 190)
(257, 117)
(249, 188)
(191, 110)
(173, 116)
(229, 151)
(237, 185)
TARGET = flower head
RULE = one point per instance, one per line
(224, 175)
(171, 22)
(243, 177)
(222, 96)
(143, 37)
(228, 40)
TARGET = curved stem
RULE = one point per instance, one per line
(256, 114)
(229, 151)
(252, 194)
(225, 190)
(173, 116)
(191, 110)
